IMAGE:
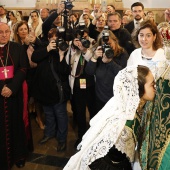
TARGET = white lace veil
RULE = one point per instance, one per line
(107, 125)
(17, 15)
(38, 30)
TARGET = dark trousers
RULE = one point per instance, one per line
(56, 115)
(80, 99)
(99, 104)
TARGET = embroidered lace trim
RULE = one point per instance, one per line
(126, 143)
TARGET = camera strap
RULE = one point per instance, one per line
(81, 60)
(59, 84)
(54, 72)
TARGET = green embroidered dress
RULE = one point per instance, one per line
(155, 151)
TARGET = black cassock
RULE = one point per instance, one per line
(12, 133)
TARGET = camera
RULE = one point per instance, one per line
(68, 4)
(60, 42)
(80, 34)
(105, 47)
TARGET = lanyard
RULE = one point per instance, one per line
(82, 66)
(81, 60)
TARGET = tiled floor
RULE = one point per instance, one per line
(45, 157)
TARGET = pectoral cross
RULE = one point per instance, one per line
(5, 72)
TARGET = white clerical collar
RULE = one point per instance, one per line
(2, 45)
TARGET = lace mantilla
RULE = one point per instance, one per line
(108, 124)
(126, 143)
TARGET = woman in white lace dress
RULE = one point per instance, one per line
(115, 131)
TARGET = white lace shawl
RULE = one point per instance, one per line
(107, 125)
(38, 30)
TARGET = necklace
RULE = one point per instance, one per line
(5, 71)
(150, 56)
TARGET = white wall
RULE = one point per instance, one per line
(148, 3)
(18, 3)
(126, 3)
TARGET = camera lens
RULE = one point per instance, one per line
(85, 43)
(109, 53)
(105, 39)
(61, 44)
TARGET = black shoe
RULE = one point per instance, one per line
(20, 163)
(44, 140)
(61, 146)
(77, 142)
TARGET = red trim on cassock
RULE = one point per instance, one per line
(25, 109)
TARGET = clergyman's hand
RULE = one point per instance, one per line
(6, 92)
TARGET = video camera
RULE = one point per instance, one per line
(105, 47)
(60, 42)
(80, 35)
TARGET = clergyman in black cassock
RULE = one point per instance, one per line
(13, 66)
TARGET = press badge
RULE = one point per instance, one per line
(82, 83)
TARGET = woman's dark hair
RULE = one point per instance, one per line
(73, 14)
(11, 12)
(53, 32)
(35, 11)
(153, 27)
(143, 71)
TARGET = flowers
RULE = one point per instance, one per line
(164, 29)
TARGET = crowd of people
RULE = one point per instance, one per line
(115, 65)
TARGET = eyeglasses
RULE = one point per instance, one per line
(5, 32)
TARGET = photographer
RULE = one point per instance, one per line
(51, 61)
(52, 18)
(109, 58)
(82, 84)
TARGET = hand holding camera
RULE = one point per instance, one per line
(98, 53)
(107, 50)
(32, 38)
(29, 39)
(61, 7)
(79, 45)
(65, 5)
(81, 34)
(51, 45)
(105, 59)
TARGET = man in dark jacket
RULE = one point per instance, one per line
(124, 37)
(138, 14)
